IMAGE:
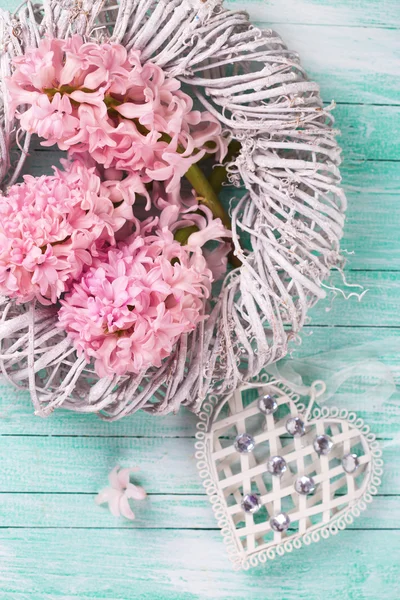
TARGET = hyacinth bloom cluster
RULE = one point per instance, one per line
(111, 239)
(132, 305)
(98, 100)
(50, 228)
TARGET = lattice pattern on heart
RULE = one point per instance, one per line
(278, 477)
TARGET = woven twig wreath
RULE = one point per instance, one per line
(292, 213)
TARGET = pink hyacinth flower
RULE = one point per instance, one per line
(99, 100)
(132, 305)
(50, 229)
(119, 493)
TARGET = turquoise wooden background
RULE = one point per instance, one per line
(56, 544)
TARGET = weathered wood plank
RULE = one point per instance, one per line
(68, 464)
(372, 231)
(57, 510)
(350, 64)
(358, 13)
(168, 565)
(368, 132)
(16, 416)
(371, 177)
(379, 306)
(79, 464)
(164, 511)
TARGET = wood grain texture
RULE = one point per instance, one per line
(383, 289)
(342, 13)
(55, 544)
(352, 64)
(373, 220)
(80, 465)
(158, 511)
(140, 565)
(375, 177)
(368, 132)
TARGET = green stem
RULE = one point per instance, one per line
(206, 194)
(182, 235)
(204, 190)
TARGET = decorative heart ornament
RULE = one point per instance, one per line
(281, 473)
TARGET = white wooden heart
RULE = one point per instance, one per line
(250, 502)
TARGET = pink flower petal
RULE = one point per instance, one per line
(135, 491)
(133, 111)
(124, 475)
(114, 479)
(114, 503)
(125, 508)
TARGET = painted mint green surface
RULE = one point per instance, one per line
(56, 544)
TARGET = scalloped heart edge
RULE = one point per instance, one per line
(336, 524)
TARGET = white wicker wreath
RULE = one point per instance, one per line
(292, 212)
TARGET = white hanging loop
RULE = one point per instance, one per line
(317, 389)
